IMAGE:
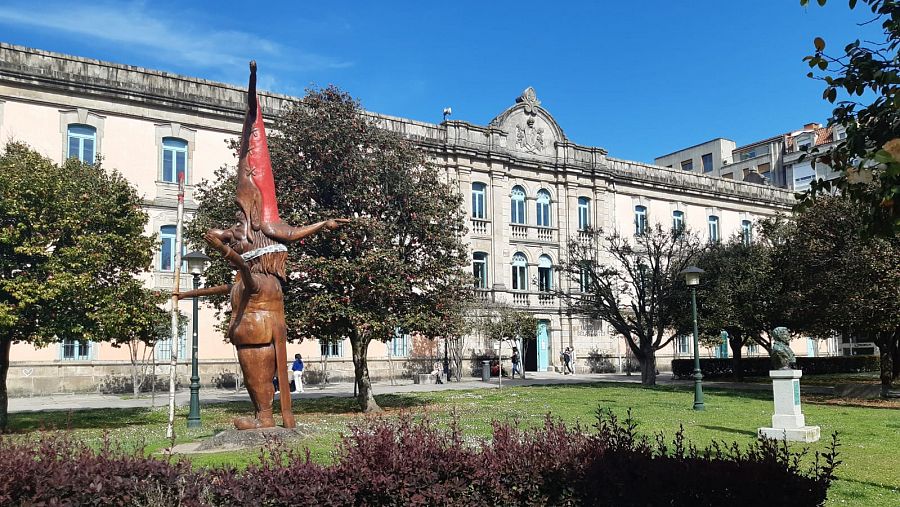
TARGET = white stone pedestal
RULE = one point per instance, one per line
(788, 421)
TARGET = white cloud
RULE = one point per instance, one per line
(167, 38)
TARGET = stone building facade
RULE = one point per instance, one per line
(528, 188)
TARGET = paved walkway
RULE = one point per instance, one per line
(209, 395)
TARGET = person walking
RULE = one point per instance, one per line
(297, 368)
(567, 361)
(515, 363)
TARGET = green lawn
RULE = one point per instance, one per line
(870, 437)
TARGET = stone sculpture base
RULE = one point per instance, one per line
(788, 422)
(234, 440)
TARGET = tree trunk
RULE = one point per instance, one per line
(736, 343)
(4, 370)
(885, 346)
(648, 367)
(364, 395)
(135, 384)
(896, 354)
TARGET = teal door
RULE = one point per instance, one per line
(543, 346)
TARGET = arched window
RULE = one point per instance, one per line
(478, 195)
(517, 205)
(746, 232)
(519, 272)
(82, 140)
(545, 274)
(480, 270)
(584, 213)
(167, 249)
(640, 220)
(713, 223)
(677, 222)
(543, 208)
(174, 159)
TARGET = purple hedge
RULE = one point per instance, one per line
(401, 462)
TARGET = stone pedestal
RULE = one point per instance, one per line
(788, 421)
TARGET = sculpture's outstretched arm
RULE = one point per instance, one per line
(285, 233)
(234, 258)
(206, 291)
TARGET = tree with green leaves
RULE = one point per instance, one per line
(398, 265)
(634, 284)
(741, 293)
(845, 280)
(869, 158)
(501, 322)
(71, 245)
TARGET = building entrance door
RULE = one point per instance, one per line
(543, 345)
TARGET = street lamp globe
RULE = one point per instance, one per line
(692, 275)
(196, 262)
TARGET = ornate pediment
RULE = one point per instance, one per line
(529, 126)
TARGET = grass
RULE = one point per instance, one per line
(870, 437)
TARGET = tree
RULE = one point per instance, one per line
(741, 293)
(501, 323)
(633, 283)
(869, 157)
(397, 265)
(71, 244)
(846, 280)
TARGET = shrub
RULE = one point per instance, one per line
(760, 366)
(600, 363)
(402, 462)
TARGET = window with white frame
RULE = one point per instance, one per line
(584, 213)
(545, 274)
(713, 223)
(683, 344)
(479, 191)
(678, 221)
(174, 159)
(167, 235)
(640, 220)
(82, 142)
(584, 278)
(480, 270)
(75, 350)
(399, 346)
(163, 348)
(753, 348)
(543, 208)
(517, 205)
(746, 232)
(519, 272)
(331, 348)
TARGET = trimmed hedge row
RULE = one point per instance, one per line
(760, 366)
(400, 462)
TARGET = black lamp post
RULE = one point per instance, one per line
(196, 262)
(692, 279)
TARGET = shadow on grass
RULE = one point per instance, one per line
(98, 418)
(335, 405)
(728, 430)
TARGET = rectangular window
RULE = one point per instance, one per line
(478, 194)
(640, 220)
(167, 234)
(763, 169)
(746, 232)
(584, 279)
(399, 346)
(706, 161)
(713, 223)
(163, 349)
(687, 165)
(174, 159)
(729, 176)
(331, 348)
(683, 345)
(584, 213)
(75, 350)
(519, 278)
(479, 269)
(545, 279)
(677, 222)
(81, 142)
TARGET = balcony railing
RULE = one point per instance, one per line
(532, 232)
(483, 295)
(534, 299)
(481, 227)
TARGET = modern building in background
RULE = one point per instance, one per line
(527, 187)
(783, 160)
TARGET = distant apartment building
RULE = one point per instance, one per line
(783, 160)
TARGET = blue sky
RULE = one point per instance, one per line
(640, 79)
